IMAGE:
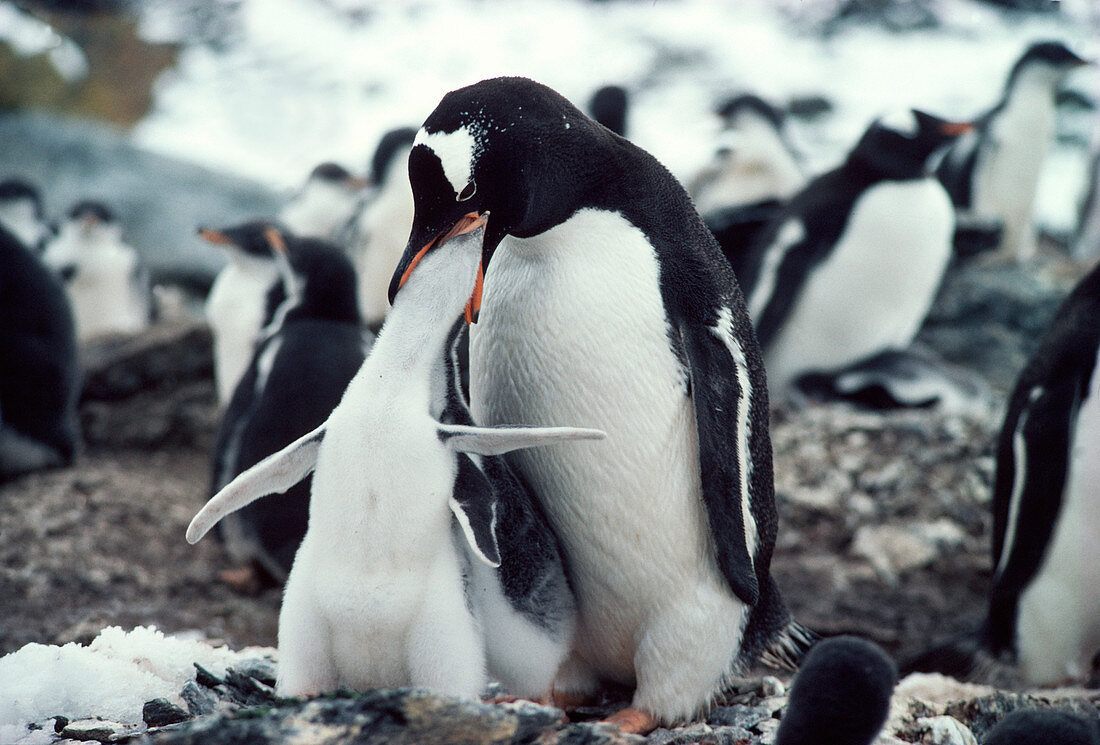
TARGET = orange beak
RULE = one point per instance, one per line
(473, 305)
(954, 129)
(275, 239)
(466, 224)
(216, 237)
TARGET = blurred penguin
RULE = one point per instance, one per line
(237, 300)
(384, 224)
(841, 695)
(311, 347)
(39, 377)
(753, 161)
(21, 213)
(326, 205)
(104, 277)
(1044, 727)
(608, 106)
(992, 173)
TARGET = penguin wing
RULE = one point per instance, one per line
(1032, 468)
(731, 418)
(474, 505)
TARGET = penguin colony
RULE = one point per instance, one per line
(621, 361)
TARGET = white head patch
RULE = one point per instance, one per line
(902, 121)
(455, 150)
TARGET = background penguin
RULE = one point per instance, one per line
(105, 279)
(1044, 603)
(22, 215)
(1043, 727)
(237, 301)
(608, 106)
(841, 695)
(39, 377)
(312, 347)
(852, 265)
(606, 302)
(992, 173)
(384, 590)
(383, 226)
(326, 205)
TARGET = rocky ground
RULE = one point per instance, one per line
(884, 533)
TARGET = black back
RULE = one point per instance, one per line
(825, 204)
(39, 376)
(1044, 727)
(608, 106)
(841, 695)
(321, 347)
(1062, 368)
(388, 147)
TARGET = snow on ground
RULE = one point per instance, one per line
(289, 83)
(110, 678)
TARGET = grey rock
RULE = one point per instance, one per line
(97, 730)
(746, 717)
(160, 711)
(200, 700)
(261, 669)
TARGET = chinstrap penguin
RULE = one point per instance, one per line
(383, 225)
(39, 375)
(841, 695)
(235, 306)
(606, 302)
(382, 592)
(608, 106)
(1044, 602)
(852, 264)
(104, 277)
(993, 172)
(1044, 727)
(312, 346)
(21, 213)
(326, 205)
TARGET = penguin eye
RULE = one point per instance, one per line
(468, 191)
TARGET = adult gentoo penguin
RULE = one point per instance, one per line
(21, 213)
(607, 303)
(104, 277)
(383, 225)
(238, 298)
(312, 347)
(992, 174)
(1044, 603)
(326, 205)
(852, 264)
(39, 377)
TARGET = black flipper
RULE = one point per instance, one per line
(474, 505)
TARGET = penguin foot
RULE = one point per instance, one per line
(633, 721)
(245, 580)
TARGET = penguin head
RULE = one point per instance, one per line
(16, 191)
(843, 687)
(93, 220)
(507, 149)
(608, 107)
(325, 203)
(246, 245)
(751, 128)
(316, 279)
(334, 176)
(21, 212)
(899, 145)
(393, 144)
(1050, 61)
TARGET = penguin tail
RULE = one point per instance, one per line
(789, 646)
(959, 659)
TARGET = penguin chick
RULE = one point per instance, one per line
(326, 205)
(1043, 727)
(608, 106)
(841, 695)
(21, 213)
(383, 225)
(311, 347)
(39, 376)
(992, 173)
(104, 277)
(753, 162)
(852, 265)
(401, 501)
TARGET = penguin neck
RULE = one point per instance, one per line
(1033, 90)
(415, 334)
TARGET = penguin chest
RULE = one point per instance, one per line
(874, 288)
(103, 294)
(573, 331)
(1006, 173)
(1059, 614)
(235, 312)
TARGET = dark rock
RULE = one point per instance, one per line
(200, 700)
(983, 714)
(206, 678)
(259, 668)
(398, 717)
(60, 723)
(159, 712)
(247, 691)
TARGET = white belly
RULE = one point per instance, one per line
(105, 300)
(875, 289)
(1058, 628)
(235, 312)
(573, 332)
